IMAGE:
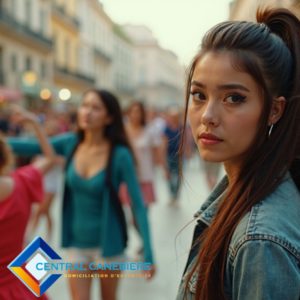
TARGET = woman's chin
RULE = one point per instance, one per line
(211, 158)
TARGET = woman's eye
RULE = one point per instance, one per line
(235, 99)
(198, 96)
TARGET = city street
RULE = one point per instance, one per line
(102, 95)
(170, 243)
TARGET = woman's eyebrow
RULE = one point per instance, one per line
(233, 86)
(229, 86)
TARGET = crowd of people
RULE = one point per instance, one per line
(242, 106)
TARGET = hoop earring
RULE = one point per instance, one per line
(270, 130)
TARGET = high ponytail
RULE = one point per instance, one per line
(269, 51)
(285, 25)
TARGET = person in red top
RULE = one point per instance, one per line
(19, 189)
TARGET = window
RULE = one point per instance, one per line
(28, 63)
(10, 8)
(14, 62)
(55, 46)
(28, 12)
(43, 20)
(67, 52)
(43, 70)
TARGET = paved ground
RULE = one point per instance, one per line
(170, 241)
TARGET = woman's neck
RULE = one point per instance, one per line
(93, 139)
(232, 171)
(135, 126)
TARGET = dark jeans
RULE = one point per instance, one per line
(174, 181)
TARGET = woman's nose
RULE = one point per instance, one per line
(210, 113)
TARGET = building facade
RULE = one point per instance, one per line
(68, 75)
(123, 67)
(54, 50)
(25, 47)
(96, 43)
(158, 76)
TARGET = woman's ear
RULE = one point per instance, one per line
(277, 110)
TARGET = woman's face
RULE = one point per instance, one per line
(135, 114)
(92, 114)
(224, 111)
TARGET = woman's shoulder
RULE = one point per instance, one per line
(66, 136)
(64, 143)
(275, 218)
(122, 152)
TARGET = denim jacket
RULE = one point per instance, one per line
(263, 260)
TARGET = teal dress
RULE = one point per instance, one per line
(86, 195)
(89, 217)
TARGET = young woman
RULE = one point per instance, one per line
(99, 159)
(146, 145)
(244, 111)
(19, 190)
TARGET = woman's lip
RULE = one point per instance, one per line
(209, 139)
(209, 136)
(206, 141)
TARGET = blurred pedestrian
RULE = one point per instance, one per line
(146, 147)
(99, 159)
(244, 112)
(172, 134)
(19, 190)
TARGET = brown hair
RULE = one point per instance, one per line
(270, 52)
(6, 157)
(141, 107)
(115, 132)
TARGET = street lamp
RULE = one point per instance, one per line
(64, 94)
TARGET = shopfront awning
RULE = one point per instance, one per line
(9, 94)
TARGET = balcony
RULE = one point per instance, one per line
(102, 54)
(22, 32)
(125, 89)
(61, 13)
(73, 75)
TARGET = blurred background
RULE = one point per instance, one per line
(52, 50)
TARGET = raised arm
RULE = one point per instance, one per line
(62, 144)
(26, 117)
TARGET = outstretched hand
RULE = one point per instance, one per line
(21, 115)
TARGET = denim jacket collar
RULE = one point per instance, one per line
(210, 206)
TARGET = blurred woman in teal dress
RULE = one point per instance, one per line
(99, 158)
